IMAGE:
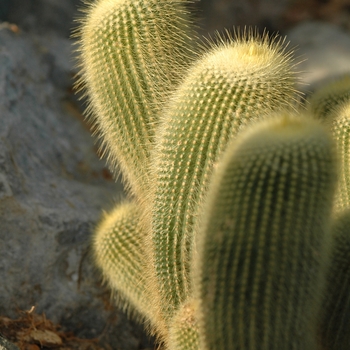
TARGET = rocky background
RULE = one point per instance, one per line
(53, 185)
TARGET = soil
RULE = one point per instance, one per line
(31, 331)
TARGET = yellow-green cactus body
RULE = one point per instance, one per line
(340, 125)
(229, 86)
(322, 103)
(132, 53)
(264, 235)
(331, 104)
(334, 331)
(183, 334)
(118, 252)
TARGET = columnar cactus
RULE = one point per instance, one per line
(335, 311)
(132, 54)
(230, 86)
(323, 102)
(265, 233)
(331, 104)
(223, 241)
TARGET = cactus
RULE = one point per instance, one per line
(335, 316)
(263, 238)
(132, 54)
(223, 244)
(331, 104)
(231, 85)
(340, 126)
(323, 102)
(118, 252)
(184, 328)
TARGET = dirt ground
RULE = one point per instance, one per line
(31, 331)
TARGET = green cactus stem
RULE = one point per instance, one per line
(331, 104)
(264, 237)
(183, 333)
(335, 325)
(340, 126)
(132, 54)
(118, 252)
(323, 102)
(232, 84)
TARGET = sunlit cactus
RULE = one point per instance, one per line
(184, 328)
(132, 54)
(233, 84)
(119, 253)
(226, 241)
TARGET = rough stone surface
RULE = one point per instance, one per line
(6, 345)
(324, 50)
(52, 190)
(41, 16)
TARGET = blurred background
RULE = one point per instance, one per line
(275, 15)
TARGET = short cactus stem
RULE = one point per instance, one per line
(183, 334)
(230, 86)
(118, 252)
(264, 236)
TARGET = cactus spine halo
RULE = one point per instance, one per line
(249, 48)
(232, 84)
(132, 54)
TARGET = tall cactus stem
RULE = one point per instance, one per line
(335, 315)
(118, 252)
(235, 82)
(264, 237)
(132, 54)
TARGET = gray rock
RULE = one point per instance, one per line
(52, 190)
(6, 345)
(41, 16)
(324, 50)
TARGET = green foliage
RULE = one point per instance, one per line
(223, 243)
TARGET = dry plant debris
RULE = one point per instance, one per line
(33, 332)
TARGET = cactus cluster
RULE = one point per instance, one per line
(235, 233)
